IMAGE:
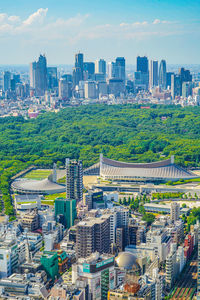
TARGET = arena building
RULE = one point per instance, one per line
(165, 170)
(45, 186)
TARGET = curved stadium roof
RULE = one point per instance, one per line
(37, 186)
(166, 169)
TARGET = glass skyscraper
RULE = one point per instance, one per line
(38, 76)
(163, 75)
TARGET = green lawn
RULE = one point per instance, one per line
(54, 196)
(62, 180)
(47, 202)
(38, 174)
(26, 202)
(183, 181)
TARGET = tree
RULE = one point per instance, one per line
(149, 218)
(124, 201)
(141, 210)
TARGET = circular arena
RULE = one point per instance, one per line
(45, 186)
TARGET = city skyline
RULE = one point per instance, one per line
(159, 30)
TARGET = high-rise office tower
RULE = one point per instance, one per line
(38, 76)
(65, 211)
(169, 75)
(74, 180)
(6, 81)
(175, 86)
(90, 90)
(163, 75)
(111, 70)
(153, 73)
(120, 71)
(100, 66)
(16, 78)
(78, 69)
(93, 235)
(76, 76)
(142, 72)
(89, 70)
(186, 89)
(142, 64)
(41, 76)
(79, 63)
(32, 72)
(185, 76)
(64, 89)
(52, 78)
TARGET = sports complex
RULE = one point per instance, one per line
(110, 170)
(113, 170)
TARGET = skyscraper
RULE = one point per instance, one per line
(100, 66)
(142, 72)
(169, 75)
(32, 72)
(111, 70)
(175, 86)
(185, 76)
(52, 77)
(6, 81)
(64, 89)
(153, 73)
(186, 89)
(89, 69)
(79, 63)
(120, 72)
(74, 180)
(142, 64)
(163, 75)
(90, 90)
(38, 76)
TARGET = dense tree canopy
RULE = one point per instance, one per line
(122, 132)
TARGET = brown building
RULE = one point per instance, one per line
(31, 220)
(93, 234)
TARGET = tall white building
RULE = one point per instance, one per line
(90, 90)
(153, 73)
(111, 70)
(64, 89)
(161, 242)
(8, 258)
(119, 218)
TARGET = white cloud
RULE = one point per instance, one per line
(14, 19)
(36, 17)
(36, 28)
(156, 21)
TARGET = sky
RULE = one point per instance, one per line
(160, 29)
